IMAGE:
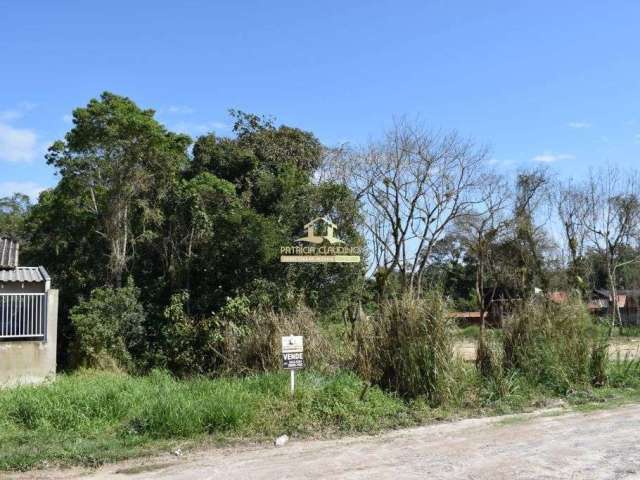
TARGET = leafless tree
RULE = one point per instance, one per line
(412, 186)
(336, 165)
(571, 206)
(612, 199)
(481, 228)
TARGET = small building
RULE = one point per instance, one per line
(28, 320)
(464, 319)
(627, 301)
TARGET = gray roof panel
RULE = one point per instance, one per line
(24, 275)
(8, 253)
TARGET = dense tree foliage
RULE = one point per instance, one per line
(135, 202)
(179, 230)
(13, 211)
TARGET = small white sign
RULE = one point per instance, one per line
(292, 353)
(292, 344)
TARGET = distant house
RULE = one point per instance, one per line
(600, 303)
(468, 318)
(28, 319)
(628, 302)
(558, 296)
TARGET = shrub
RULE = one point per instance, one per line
(549, 343)
(109, 326)
(599, 361)
(193, 344)
(408, 347)
(238, 339)
(489, 357)
(624, 372)
(255, 344)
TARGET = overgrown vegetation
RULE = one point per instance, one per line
(139, 203)
(110, 326)
(166, 250)
(408, 347)
(548, 344)
(239, 339)
(90, 417)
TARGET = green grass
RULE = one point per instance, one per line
(92, 417)
(629, 331)
(471, 332)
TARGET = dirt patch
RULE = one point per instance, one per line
(624, 347)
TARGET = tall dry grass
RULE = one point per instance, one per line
(255, 345)
(407, 347)
(550, 345)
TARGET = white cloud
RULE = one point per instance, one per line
(31, 189)
(68, 118)
(18, 112)
(579, 125)
(179, 110)
(8, 115)
(502, 163)
(17, 144)
(548, 157)
(194, 128)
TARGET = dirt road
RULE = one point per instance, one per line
(547, 445)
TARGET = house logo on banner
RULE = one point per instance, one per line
(320, 245)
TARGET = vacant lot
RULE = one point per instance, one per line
(550, 445)
(623, 346)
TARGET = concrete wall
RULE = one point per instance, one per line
(30, 361)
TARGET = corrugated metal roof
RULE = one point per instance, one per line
(8, 253)
(24, 275)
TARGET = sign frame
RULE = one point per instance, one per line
(293, 356)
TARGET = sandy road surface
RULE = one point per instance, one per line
(622, 347)
(548, 445)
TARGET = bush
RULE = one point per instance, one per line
(599, 361)
(238, 339)
(193, 344)
(109, 326)
(408, 347)
(550, 345)
(255, 344)
(624, 372)
(489, 357)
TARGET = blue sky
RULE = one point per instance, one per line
(554, 83)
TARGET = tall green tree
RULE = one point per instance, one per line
(271, 169)
(133, 202)
(13, 211)
(123, 160)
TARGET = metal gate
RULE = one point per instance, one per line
(23, 315)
